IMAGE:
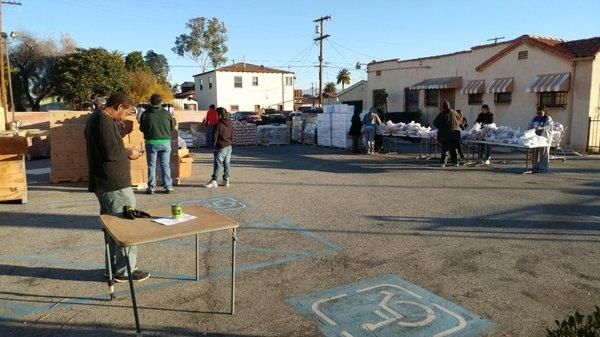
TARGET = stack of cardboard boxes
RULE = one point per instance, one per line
(274, 134)
(244, 133)
(333, 125)
(68, 148)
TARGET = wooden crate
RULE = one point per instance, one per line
(13, 180)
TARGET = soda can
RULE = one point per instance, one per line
(176, 211)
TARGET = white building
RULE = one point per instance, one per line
(354, 95)
(245, 87)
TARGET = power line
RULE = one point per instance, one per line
(354, 51)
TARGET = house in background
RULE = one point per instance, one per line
(245, 87)
(512, 77)
(354, 95)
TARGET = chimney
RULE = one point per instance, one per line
(244, 65)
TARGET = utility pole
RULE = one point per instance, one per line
(320, 38)
(495, 39)
(2, 51)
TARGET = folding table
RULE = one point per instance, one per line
(140, 231)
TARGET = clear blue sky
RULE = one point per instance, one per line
(279, 33)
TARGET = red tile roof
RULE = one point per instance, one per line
(242, 67)
(562, 48)
(581, 48)
(568, 49)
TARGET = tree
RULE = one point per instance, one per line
(91, 73)
(205, 42)
(330, 88)
(34, 64)
(135, 60)
(158, 65)
(143, 83)
(343, 77)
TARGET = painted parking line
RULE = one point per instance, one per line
(387, 306)
(14, 309)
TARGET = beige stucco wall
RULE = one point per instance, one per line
(522, 108)
(2, 119)
(357, 93)
(594, 103)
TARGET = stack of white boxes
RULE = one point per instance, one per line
(333, 125)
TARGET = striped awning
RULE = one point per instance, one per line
(473, 87)
(501, 85)
(439, 83)
(553, 82)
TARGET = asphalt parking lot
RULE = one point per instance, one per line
(509, 253)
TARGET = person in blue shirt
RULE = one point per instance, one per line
(542, 124)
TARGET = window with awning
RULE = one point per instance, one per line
(473, 87)
(550, 83)
(501, 85)
(439, 83)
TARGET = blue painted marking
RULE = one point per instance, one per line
(387, 306)
(229, 203)
(13, 309)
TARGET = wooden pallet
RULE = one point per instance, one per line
(58, 180)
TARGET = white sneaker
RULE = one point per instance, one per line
(211, 184)
(487, 163)
(224, 183)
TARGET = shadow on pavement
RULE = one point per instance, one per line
(70, 328)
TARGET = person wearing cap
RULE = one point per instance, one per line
(484, 118)
(542, 124)
(370, 123)
(110, 176)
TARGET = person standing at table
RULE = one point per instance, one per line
(110, 175)
(463, 126)
(370, 123)
(222, 140)
(355, 129)
(157, 124)
(210, 121)
(542, 124)
(484, 118)
(448, 125)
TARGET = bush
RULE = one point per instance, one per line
(578, 325)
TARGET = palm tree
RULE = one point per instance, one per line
(343, 77)
(330, 88)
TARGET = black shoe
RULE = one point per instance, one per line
(137, 276)
(169, 190)
(150, 191)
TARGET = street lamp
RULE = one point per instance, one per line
(10, 89)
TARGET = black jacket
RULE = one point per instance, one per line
(356, 127)
(485, 118)
(447, 123)
(222, 134)
(107, 156)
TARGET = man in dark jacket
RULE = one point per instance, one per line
(355, 130)
(222, 140)
(157, 125)
(485, 117)
(110, 177)
(448, 124)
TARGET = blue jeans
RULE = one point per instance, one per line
(209, 136)
(485, 152)
(163, 152)
(222, 162)
(112, 203)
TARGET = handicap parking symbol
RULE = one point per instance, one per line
(221, 204)
(387, 306)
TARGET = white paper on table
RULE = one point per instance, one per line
(170, 221)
